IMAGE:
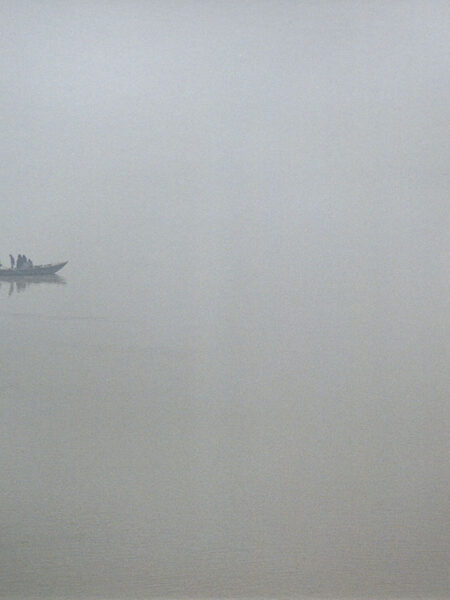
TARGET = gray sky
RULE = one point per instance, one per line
(127, 125)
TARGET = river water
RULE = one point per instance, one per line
(233, 428)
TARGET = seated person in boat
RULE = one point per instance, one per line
(22, 261)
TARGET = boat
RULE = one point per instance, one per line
(34, 271)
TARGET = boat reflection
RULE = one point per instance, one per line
(20, 283)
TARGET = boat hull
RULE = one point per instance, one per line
(35, 271)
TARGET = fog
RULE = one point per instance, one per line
(238, 386)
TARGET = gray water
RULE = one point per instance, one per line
(238, 386)
(261, 431)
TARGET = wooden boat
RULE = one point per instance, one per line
(35, 270)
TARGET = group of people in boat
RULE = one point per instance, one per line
(22, 262)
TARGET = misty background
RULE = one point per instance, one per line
(239, 386)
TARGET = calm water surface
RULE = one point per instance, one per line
(227, 432)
